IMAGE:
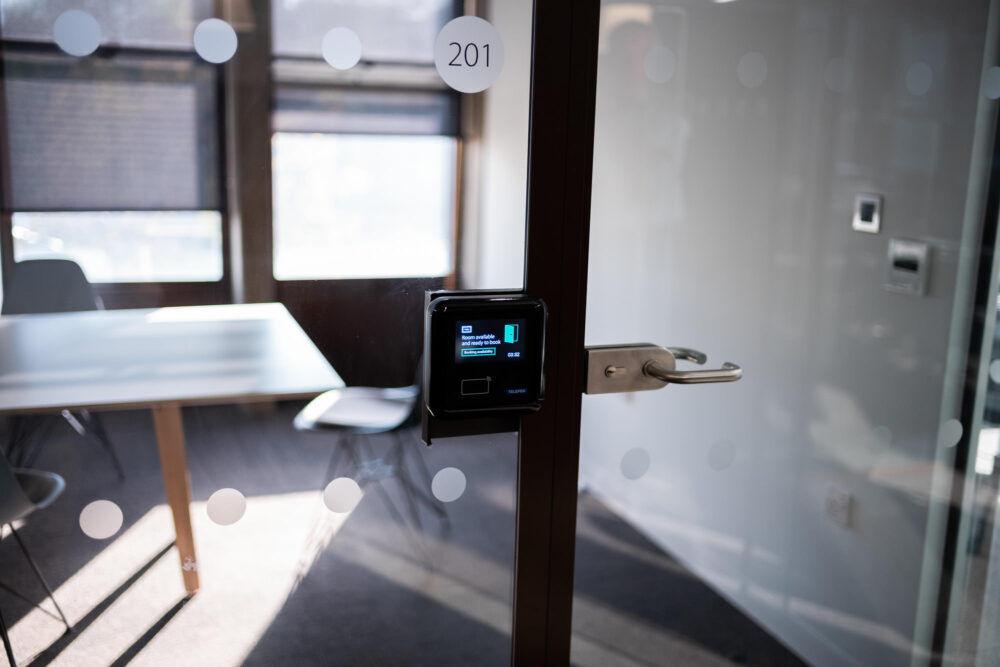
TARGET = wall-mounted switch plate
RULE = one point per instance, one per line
(867, 213)
(907, 267)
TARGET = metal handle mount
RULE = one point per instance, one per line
(641, 367)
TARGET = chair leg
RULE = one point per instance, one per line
(418, 494)
(435, 506)
(95, 426)
(16, 430)
(408, 494)
(397, 515)
(399, 468)
(27, 434)
(38, 573)
(338, 449)
(6, 642)
(424, 470)
(36, 440)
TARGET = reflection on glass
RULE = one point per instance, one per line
(975, 613)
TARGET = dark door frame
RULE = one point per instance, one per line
(560, 161)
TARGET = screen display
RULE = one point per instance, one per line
(490, 340)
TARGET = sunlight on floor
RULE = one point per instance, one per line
(247, 572)
(128, 602)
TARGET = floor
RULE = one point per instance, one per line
(293, 583)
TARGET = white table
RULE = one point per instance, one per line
(162, 359)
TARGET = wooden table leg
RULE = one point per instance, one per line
(170, 439)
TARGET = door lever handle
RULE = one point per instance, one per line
(729, 372)
(687, 354)
(643, 366)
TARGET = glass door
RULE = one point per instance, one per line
(250, 198)
(807, 190)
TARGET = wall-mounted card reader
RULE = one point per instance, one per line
(483, 354)
(907, 267)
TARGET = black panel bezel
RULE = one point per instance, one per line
(443, 375)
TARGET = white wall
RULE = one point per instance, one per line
(721, 221)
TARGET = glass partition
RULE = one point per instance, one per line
(802, 189)
(218, 223)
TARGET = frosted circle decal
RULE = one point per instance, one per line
(226, 506)
(342, 495)
(752, 69)
(919, 78)
(991, 83)
(721, 455)
(101, 519)
(468, 54)
(341, 48)
(77, 33)
(659, 64)
(951, 433)
(215, 40)
(448, 484)
(635, 463)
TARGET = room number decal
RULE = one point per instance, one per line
(468, 54)
(462, 55)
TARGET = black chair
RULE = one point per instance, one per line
(22, 492)
(51, 286)
(354, 413)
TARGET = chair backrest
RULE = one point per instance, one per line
(46, 286)
(14, 504)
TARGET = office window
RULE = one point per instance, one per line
(126, 246)
(364, 160)
(362, 206)
(115, 158)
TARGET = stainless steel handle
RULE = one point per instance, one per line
(729, 372)
(644, 366)
(687, 354)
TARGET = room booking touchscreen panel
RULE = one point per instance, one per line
(483, 354)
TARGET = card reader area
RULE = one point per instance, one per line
(483, 355)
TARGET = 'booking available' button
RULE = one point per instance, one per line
(479, 352)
